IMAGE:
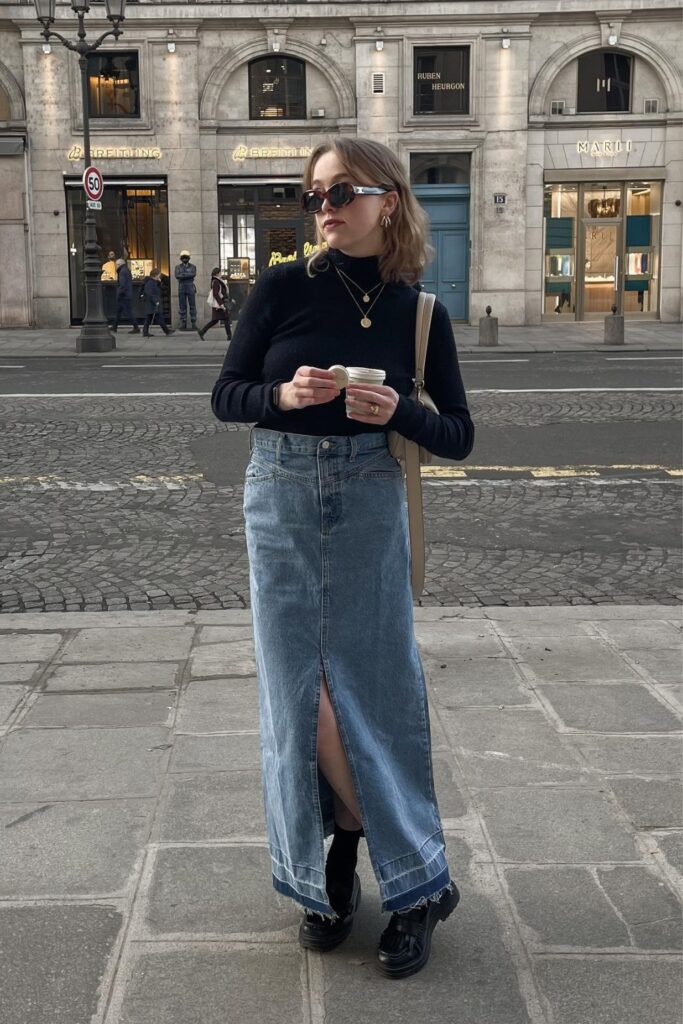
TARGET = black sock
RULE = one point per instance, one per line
(341, 865)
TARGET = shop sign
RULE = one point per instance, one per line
(277, 257)
(607, 147)
(441, 82)
(117, 153)
(243, 152)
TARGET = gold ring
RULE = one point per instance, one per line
(374, 409)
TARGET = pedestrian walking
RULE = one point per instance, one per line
(345, 736)
(124, 298)
(219, 300)
(185, 273)
(154, 309)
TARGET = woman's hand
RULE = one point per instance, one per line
(362, 398)
(310, 385)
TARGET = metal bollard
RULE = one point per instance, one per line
(488, 329)
(614, 328)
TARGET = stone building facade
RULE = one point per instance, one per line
(545, 142)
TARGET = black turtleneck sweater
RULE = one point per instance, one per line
(292, 320)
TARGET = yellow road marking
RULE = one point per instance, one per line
(540, 471)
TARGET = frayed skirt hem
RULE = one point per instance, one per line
(307, 902)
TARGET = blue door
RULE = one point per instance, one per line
(448, 209)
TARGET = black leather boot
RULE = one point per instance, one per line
(405, 944)
(322, 934)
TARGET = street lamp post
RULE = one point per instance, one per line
(95, 335)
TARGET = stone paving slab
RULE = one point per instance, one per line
(71, 848)
(148, 675)
(609, 991)
(200, 807)
(18, 672)
(215, 753)
(218, 659)
(510, 747)
(10, 696)
(130, 643)
(207, 983)
(24, 647)
(63, 764)
(134, 870)
(53, 959)
(664, 665)
(87, 710)
(214, 892)
(565, 659)
(551, 825)
(638, 754)
(205, 708)
(651, 803)
(613, 708)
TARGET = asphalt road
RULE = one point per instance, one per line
(119, 489)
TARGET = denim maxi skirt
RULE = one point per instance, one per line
(329, 563)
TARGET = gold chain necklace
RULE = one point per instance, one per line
(366, 292)
(365, 319)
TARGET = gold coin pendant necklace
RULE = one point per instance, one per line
(365, 319)
(366, 294)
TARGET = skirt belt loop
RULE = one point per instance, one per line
(354, 448)
(278, 450)
(251, 439)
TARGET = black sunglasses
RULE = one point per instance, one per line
(340, 194)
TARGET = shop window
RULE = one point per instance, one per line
(277, 88)
(641, 270)
(132, 225)
(604, 82)
(441, 79)
(114, 84)
(560, 205)
(440, 168)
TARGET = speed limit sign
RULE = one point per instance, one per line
(92, 183)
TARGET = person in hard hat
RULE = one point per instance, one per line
(185, 273)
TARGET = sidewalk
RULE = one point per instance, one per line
(134, 876)
(572, 337)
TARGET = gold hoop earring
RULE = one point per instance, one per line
(386, 221)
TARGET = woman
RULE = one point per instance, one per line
(220, 298)
(345, 739)
(154, 307)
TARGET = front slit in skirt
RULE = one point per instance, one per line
(329, 565)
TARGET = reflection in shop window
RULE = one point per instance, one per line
(560, 205)
(113, 84)
(277, 88)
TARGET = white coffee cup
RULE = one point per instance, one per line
(364, 375)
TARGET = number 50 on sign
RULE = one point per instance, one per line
(93, 184)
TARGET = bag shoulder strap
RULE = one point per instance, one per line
(423, 322)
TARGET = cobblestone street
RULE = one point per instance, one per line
(115, 504)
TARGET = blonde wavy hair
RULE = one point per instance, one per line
(406, 251)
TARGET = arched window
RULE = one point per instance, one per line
(604, 82)
(277, 87)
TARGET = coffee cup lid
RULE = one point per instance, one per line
(341, 377)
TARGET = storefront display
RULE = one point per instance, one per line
(132, 225)
(602, 259)
(260, 223)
